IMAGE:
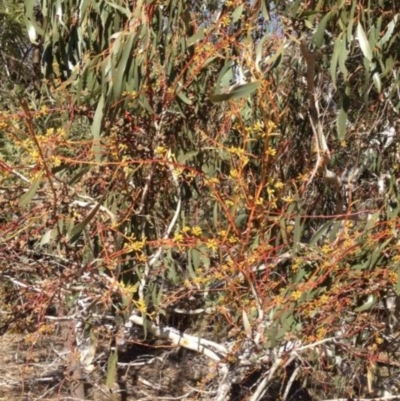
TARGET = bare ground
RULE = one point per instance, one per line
(38, 372)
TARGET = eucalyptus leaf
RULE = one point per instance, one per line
(341, 124)
(96, 129)
(371, 301)
(389, 31)
(377, 81)
(246, 324)
(363, 42)
(238, 92)
(28, 196)
(112, 369)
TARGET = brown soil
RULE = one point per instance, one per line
(38, 372)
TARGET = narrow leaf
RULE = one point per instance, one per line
(363, 41)
(184, 98)
(377, 81)
(27, 197)
(398, 279)
(96, 129)
(335, 59)
(389, 31)
(341, 124)
(77, 230)
(344, 52)
(238, 92)
(237, 13)
(112, 369)
(246, 324)
(351, 22)
(196, 37)
(225, 72)
(319, 34)
(366, 305)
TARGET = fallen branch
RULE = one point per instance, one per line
(184, 340)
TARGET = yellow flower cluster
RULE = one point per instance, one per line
(178, 237)
(135, 245)
(197, 231)
(212, 244)
(296, 295)
(160, 150)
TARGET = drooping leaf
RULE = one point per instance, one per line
(343, 53)
(351, 22)
(363, 42)
(224, 77)
(77, 230)
(237, 13)
(398, 279)
(238, 92)
(112, 369)
(389, 31)
(27, 197)
(376, 78)
(96, 129)
(341, 124)
(368, 304)
(199, 35)
(335, 59)
(246, 324)
(319, 34)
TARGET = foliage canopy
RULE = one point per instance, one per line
(215, 167)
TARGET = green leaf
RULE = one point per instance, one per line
(216, 209)
(398, 279)
(224, 76)
(144, 317)
(388, 66)
(363, 42)
(282, 223)
(376, 78)
(351, 22)
(337, 225)
(118, 72)
(145, 103)
(205, 260)
(237, 13)
(238, 92)
(196, 37)
(241, 220)
(297, 232)
(123, 10)
(378, 253)
(47, 237)
(335, 58)
(246, 324)
(112, 369)
(27, 197)
(367, 305)
(344, 52)
(172, 275)
(195, 259)
(319, 34)
(183, 97)
(389, 31)
(77, 230)
(96, 129)
(321, 233)
(300, 274)
(276, 58)
(341, 124)
(184, 157)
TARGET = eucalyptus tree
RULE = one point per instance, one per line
(230, 157)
